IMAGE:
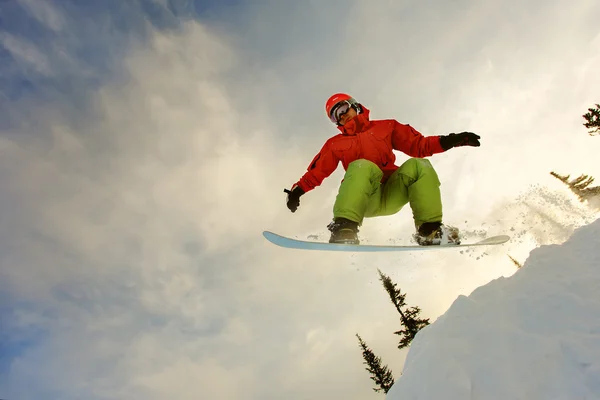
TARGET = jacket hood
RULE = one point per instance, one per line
(357, 124)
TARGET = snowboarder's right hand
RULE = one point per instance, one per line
(293, 198)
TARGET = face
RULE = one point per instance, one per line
(343, 111)
(351, 113)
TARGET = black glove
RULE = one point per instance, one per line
(459, 139)
(293, 198)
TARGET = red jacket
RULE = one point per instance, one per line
(370, 140)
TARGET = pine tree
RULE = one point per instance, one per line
(381, 375)
(518, 264)
(592, 119)
(579, 186)
(409, 317)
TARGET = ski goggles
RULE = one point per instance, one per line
(339, 110)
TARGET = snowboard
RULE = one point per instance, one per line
(290, 243)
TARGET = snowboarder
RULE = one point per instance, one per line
(373, 185)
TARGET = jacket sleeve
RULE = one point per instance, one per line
(410, 141)
(320, 168)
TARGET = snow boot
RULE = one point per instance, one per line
(436, 233)
(343, 231)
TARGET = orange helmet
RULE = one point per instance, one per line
(335, 100)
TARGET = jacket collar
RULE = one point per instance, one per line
(357, 124)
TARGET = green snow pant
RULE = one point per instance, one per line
(361, 194)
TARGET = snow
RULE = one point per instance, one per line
(533, 335)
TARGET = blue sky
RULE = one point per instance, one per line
(84, 43)
(145, 145)
(98, 53)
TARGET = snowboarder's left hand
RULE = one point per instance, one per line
(459, 139)
(293, 198)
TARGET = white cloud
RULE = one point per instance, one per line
(46, 13)
(26, 53)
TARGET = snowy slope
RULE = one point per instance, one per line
(534, 335)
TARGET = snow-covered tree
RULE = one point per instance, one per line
(579, 185)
